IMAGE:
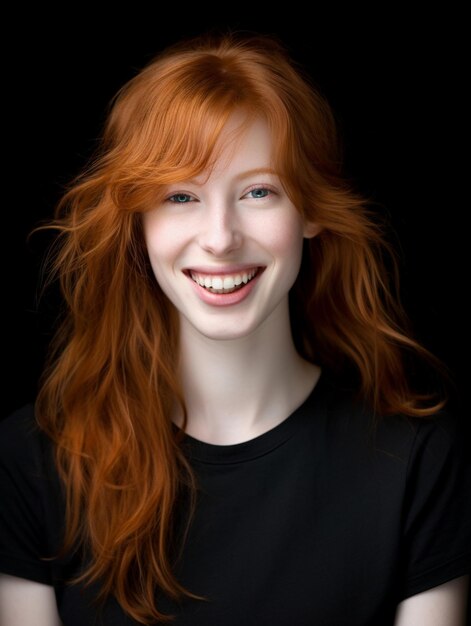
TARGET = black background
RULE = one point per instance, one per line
(394, 81)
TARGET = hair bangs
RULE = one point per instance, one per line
(157, 135)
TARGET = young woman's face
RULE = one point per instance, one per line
(227, 252)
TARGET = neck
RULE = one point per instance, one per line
(238, 389)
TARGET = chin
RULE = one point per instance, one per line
(223, 332)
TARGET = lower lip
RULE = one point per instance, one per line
(225, 299)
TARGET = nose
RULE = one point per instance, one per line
(220, 233)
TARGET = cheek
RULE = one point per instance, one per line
(284, 238)
(286, 246)
(160, 236)
(160, 244)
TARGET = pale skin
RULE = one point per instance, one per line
(246, 350)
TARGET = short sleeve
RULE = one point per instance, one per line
(437, 508)
(22, 521)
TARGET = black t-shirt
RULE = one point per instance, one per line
(308, 523)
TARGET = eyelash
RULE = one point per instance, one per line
(256, 188)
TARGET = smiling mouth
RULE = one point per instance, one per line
(226, 283)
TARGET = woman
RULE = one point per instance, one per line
(226, 429)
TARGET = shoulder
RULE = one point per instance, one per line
(23, 445)
(352, 422)
(439, 443)
(420, 471)
(430, 441)
(354, 411)
(19, 423)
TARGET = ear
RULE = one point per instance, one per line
(311, 229)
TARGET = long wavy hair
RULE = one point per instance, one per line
(109, 383)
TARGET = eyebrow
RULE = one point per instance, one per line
(257, 170)
(252, 172)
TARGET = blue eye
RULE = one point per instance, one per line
(257, 189)
(179, 195)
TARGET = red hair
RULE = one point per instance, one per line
(109, 385)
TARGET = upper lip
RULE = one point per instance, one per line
(221, 271)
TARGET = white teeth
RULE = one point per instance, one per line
(228, 283)
(222, 282)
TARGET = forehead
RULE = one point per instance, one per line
(243, 148)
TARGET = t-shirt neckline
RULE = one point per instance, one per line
(205, 452)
